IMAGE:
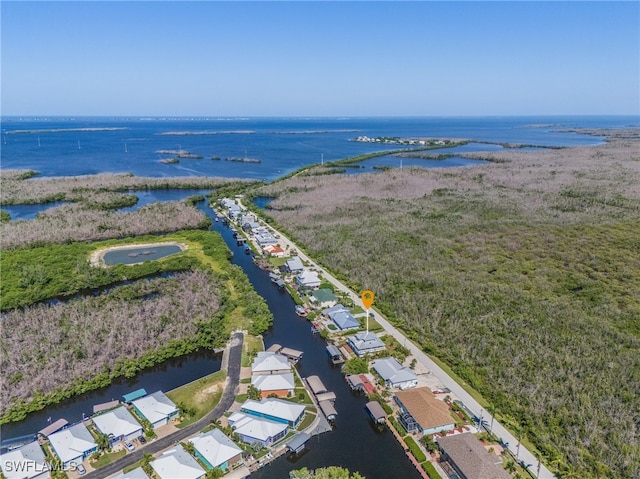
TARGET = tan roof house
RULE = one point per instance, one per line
(422, 411)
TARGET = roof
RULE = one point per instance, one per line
(328, 396)
(391, 370)
(333, 350)
(53, 427)
(291, 353)
(25, 462)
(323, 295)
(72, 442)
(425, 408)
(294, 264)
(273, 382)
(134, 395)
(118, 421)
(365, 340)
(327, 409)
(316, 385)
(473, 460)
(273, 407)
(215, 447)
(137, 473)
(274, 348)
(375, 409)
(105, 406)
(155, 407)
(266, 361)
(298, 440)
(333, 309)
(345, 320)
(177, 463)
(308, 277)
(257, 428)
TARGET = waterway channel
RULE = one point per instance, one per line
(354, 443)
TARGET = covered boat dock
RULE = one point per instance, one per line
(297, 443)
(376, 412)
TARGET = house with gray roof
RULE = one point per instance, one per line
(469, 458)
(156, 408)
(294, 265)
(341, 317)
(268, 362)
(308, 279)
(252, 429)
(119, 424)
(394, 374)
(177, 463)
(73, 445)
(365, 342)
(26, 462)
(215, 449)
(137, 473)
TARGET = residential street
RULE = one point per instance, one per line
(228, 396)
(500, 431)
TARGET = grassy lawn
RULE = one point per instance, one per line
(306, 422)
(277, 262)
(108, 458)
(201, 395)
(252, 344)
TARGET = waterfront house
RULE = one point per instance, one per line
(294, 265)
(421, 411)
(323, 298)
(308, 279)
(253, 429)
(119, 424)
(469, 459)
(365, 342)
(156, 408)
(341, 317)
(394, 374)
(281, 385)
(274, 250)
(26, 462)
(73, 445)
(215, 449)
(177, 463)
(267, 362)
(264, 238)
(137, 473)
(273, 409)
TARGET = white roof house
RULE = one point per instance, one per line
(73, 444)
(252, 429)
(177, 463)
(394, 374)
(118, 422)
(268, 362)
(27, 462)
(156, 408)
(273, 382)
(308, 279)
(364, 343)
(137, 473)
(341, 317)
(216, 450)
(274, 409)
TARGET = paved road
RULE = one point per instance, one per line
(227, 399)
(498, 429)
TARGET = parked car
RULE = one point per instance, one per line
(80, 469)
(129, 446)
(142, 439)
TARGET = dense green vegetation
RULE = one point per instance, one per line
(214, 298)
(331, 472)
(521, 275)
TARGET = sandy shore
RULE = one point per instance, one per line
(97, 257)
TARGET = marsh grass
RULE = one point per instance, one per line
(522, 275)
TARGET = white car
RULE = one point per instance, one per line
(80, 469)
(129, 446)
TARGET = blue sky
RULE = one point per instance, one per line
(320, 58)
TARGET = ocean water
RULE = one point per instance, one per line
(81, 146)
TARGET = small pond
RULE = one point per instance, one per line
(133, 255)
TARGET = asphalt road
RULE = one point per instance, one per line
(227, 399)
(524, 455)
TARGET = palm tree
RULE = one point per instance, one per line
(518, 432)
(102, 440)
(538, 457)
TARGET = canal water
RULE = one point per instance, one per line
(354, 443)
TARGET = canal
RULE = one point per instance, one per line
(354, 442)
